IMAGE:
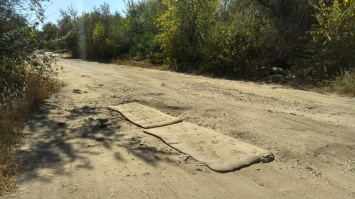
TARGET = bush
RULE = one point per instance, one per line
(345, 83)
(15, 106)
(25, 77)
(243, 44)
(333, 38)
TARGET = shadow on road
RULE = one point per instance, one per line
(56, 138)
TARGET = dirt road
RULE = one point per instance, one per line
(71, 151)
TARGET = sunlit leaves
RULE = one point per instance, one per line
(184, 26)
(333, 36)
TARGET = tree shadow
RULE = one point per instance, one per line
(55, 138)
(139, 149)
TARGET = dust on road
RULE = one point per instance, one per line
(76, 148)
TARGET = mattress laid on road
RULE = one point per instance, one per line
(219, 152)
(144, 116)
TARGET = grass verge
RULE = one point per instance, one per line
(345, 83)
(130, 62)
(15, 106)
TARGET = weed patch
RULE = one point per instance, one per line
(345, 83)
(15, 106)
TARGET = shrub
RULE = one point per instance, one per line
(15, 106)
(345, 83)
(333, 37)
(25, 77)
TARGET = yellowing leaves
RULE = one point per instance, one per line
(184, 26)
(346, 2)
(98, 33)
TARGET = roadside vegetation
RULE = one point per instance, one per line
(345, 83)
(308, 43)
(305, 43)
(26, 78)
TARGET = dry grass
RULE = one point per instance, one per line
(345, 83)
(129, 62)
(15, 106)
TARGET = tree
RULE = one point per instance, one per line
(333, 41)
(68, 32)
(49, 35)
(99, 41)
(19, 43)
(185, 25)
(25, 70)
(142, 28)
(97, 35)
(243, 41)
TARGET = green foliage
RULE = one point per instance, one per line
(225, 37)
(19, 47)
(68, 32)
(185, 25)
(333, 38)
(242, 43)
(141, 18)
(99, 41)
(49, 36)
(20, 52)
(95, 35)
(24, 76)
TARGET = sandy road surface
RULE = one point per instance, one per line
(71, 151)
